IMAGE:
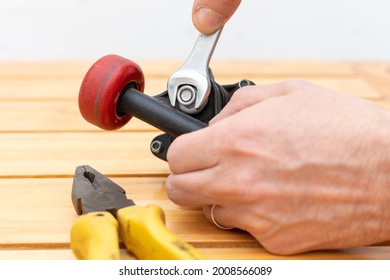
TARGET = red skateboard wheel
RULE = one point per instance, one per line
(102, 86)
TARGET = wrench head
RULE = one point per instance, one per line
(189, 77)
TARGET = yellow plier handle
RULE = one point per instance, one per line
(94, 236)
(144, 233)
(142, 229)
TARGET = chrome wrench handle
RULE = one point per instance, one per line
(189, 87)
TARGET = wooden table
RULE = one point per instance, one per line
(43, 138)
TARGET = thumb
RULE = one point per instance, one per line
(210, 15)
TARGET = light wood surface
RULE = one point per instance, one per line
(43, 138)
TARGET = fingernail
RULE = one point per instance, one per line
(208, 20)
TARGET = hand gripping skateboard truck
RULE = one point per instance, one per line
(112, 93)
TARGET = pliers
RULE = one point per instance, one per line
(105, 210)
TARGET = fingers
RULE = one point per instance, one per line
(210, 15)
(194, 151)
(194, 188)
(214, 185)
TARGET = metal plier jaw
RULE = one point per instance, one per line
(190, 86)
(92, 191)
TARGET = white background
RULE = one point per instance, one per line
(153, 29)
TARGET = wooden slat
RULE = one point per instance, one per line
(57, 154)
(376, 74)
(10, 70)
(284, 69)
(77, 69)
(39, 90)
(55, 116)
(57, 89)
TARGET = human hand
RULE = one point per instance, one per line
(210, 15)
(298, 166)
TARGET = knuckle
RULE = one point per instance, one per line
(174, 155)
(293, 84)
(239, 95)
(172, 188)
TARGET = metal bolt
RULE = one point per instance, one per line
(156, 147)
(186, 95)
(245, 83)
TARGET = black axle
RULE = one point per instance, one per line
(158, 112)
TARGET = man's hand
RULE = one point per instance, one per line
(298, 166)
(210, 15)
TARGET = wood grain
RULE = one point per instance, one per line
(57, 154)
(43, 138)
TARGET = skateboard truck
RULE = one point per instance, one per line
(112, 93)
